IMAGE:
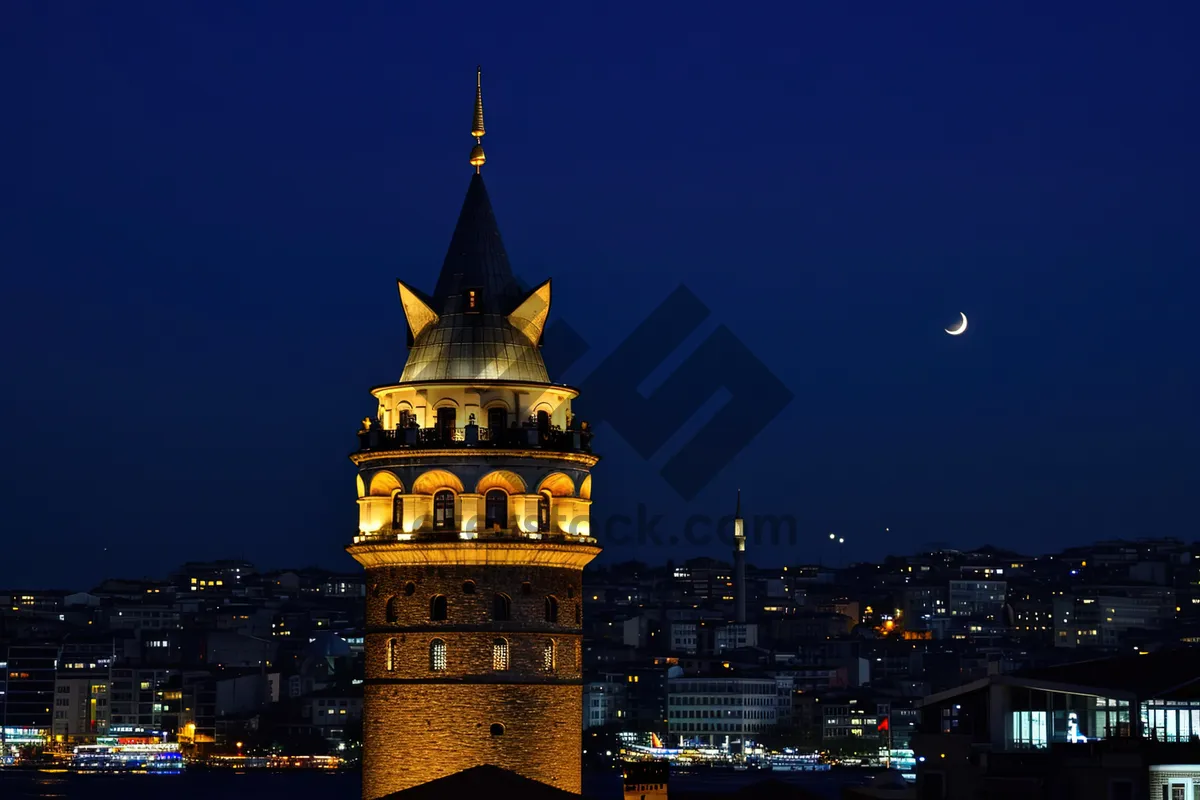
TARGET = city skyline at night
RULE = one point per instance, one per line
(828, 193)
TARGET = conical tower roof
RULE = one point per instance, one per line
(478, 325)
(476, 259)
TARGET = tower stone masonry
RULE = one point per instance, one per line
(474, 495)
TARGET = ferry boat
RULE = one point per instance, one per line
(160, 758)
(796, 762)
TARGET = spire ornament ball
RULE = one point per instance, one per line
(477, 157)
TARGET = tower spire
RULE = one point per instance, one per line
(477, 156)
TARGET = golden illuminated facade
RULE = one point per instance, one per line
(474, 495)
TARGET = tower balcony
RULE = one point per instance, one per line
(550, 439)
(473, 548)
(513, 535)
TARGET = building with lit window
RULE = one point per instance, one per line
(720, 711)
(845, 716)
(331, 710)
(28, 696)
(605, 702)
(43, 601)
(137, 702)
(1125, 727)
(474, 495)
(207, 576)
(978, 599)
(1103, 616)
(81, 701)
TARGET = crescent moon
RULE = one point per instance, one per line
(962, 326)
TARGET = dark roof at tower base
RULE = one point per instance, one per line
(483, 781)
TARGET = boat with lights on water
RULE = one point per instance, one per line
(162, 758)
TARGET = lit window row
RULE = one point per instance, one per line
(501, 661)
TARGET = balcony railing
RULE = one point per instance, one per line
(509, 535)
(527, 437)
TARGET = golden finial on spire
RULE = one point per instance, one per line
(477, 156)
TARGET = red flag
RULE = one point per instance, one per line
(883, 725)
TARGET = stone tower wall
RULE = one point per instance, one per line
(417, 732)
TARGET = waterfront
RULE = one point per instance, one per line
(333, 785)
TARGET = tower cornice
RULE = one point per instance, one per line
(482, 554)
(482, 384)
(587, 460)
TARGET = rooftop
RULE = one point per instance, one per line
(483, 781)
(1171, 673)
(478, 324)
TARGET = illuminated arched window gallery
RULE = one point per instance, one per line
(437, 655)
(500, 654)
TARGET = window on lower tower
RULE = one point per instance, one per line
(579, 613)
(501, 608)
(437, 608)
(437, 655)
(548, 656)
(496, 510)
(551, 609)
(392, 653)
(393, 609)
(544, 512)
(500, 654)
(443, 511)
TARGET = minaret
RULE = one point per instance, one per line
(474, 495)
(739, 564)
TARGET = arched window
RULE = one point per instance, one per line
(495, 508)
(405, 419)
(392, 653)
(410, 588)
(437, 608)
(397, 511)
(497, 729)
(551, 609)
(543, 423)
(393, 609)
(526, 588)
(443, 511)
(544, 512)
(501, 608)
(437, 655)
(579, 613)
(500, 654)
(548, 656)
(468, 587)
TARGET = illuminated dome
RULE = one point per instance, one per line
(478, 325)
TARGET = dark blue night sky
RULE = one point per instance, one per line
(205, 206)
